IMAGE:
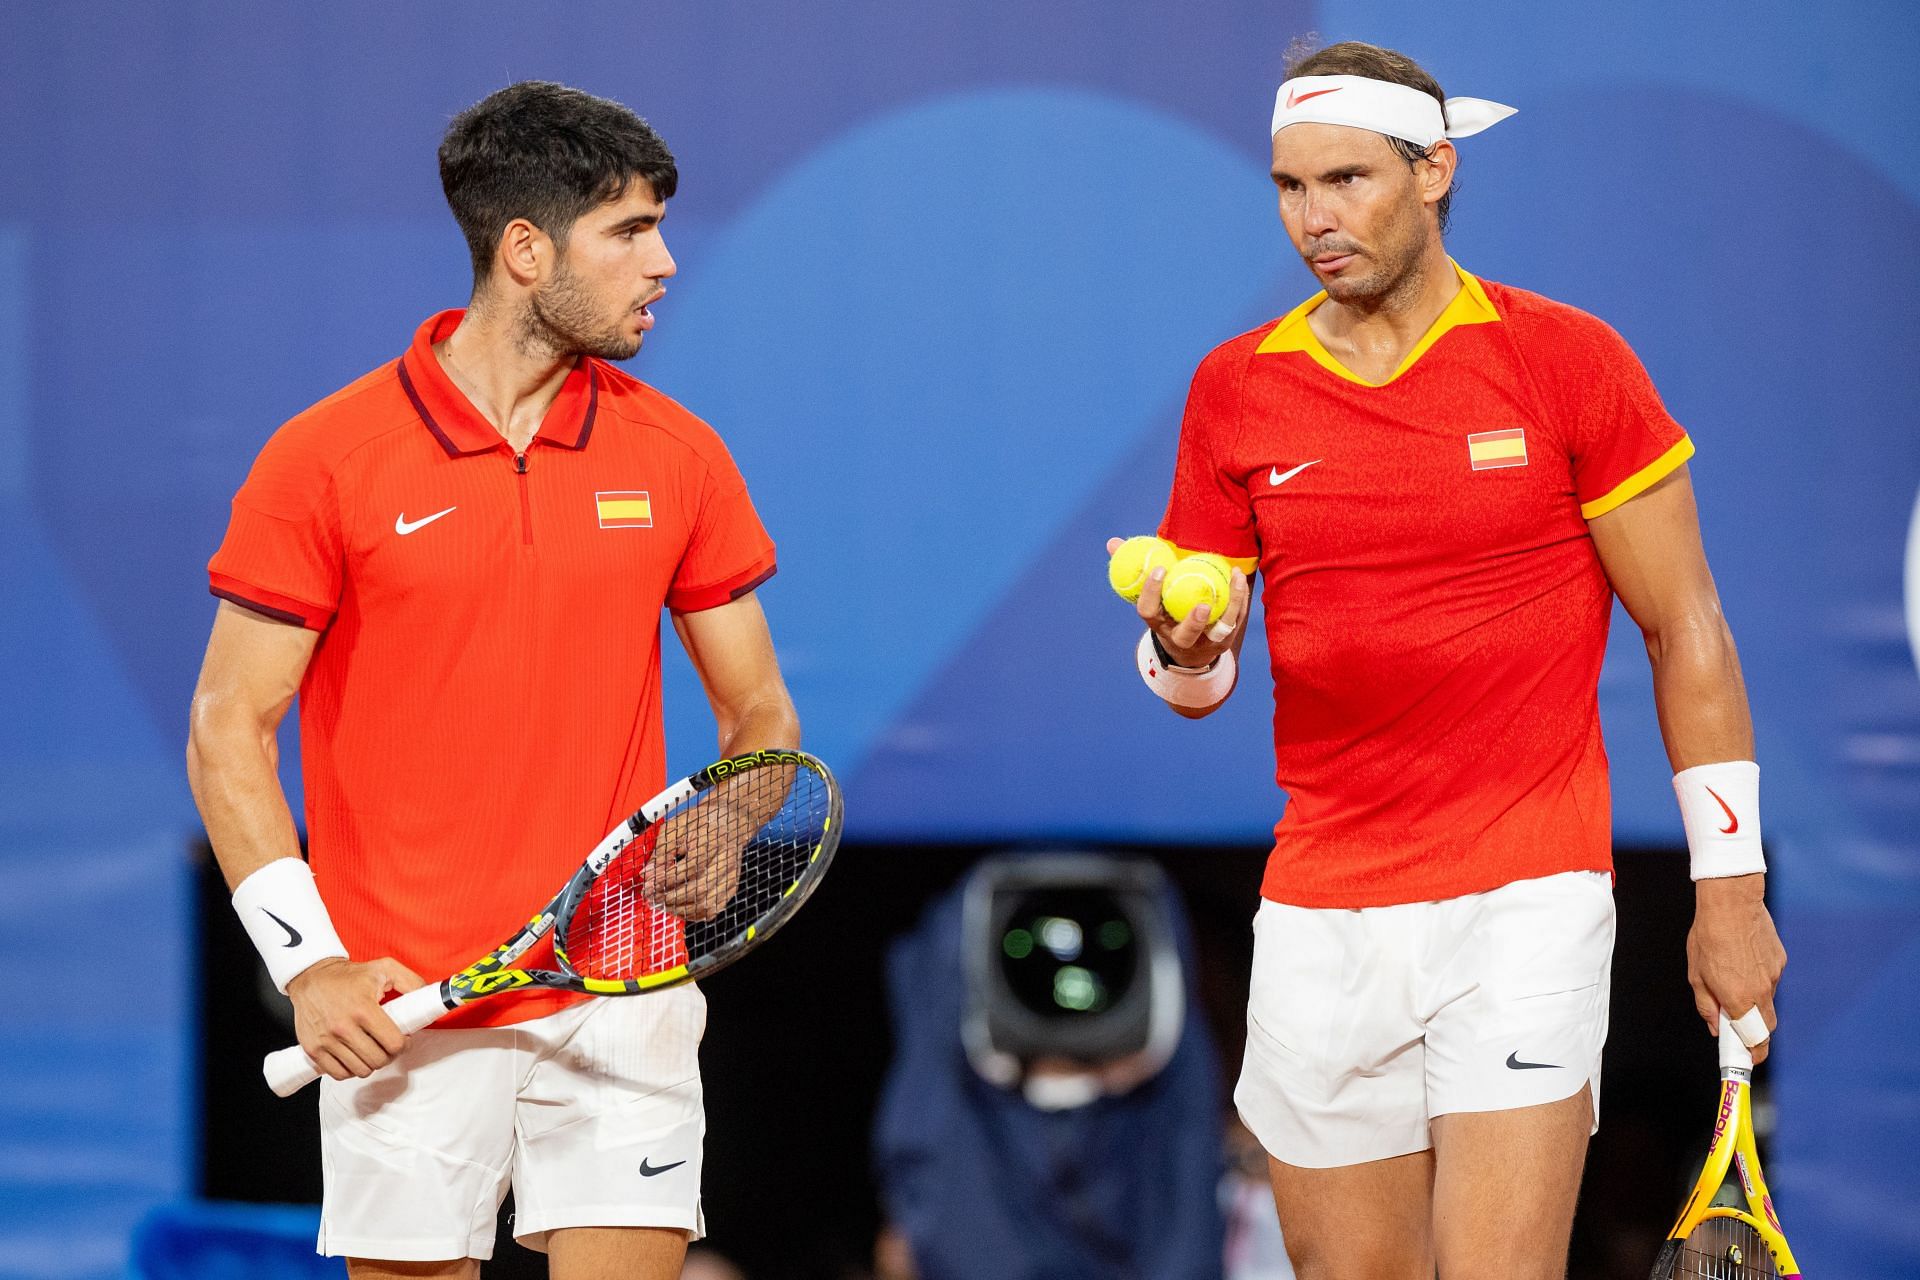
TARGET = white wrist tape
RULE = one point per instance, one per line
(280, 908)
(1720, 807)
(1750, 1026)
(1193, 687)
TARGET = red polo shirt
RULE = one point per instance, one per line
(484, 700)
(1436, 613)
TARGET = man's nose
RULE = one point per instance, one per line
(1317, 217)
(662, 266)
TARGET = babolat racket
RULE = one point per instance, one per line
(700, 875)
(1715, 1239)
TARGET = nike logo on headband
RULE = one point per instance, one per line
(1295, 98)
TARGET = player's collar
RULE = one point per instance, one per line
(459, 427)
(1469, 306)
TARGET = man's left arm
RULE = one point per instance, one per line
(1650, 549)
(732, 650)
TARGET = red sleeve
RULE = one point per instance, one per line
(283, 551)
(728, 553)
(1619, 435)
(1209, 509)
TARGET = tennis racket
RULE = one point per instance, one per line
(1718, 1240)
(697, 877)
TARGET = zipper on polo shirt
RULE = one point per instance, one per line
(526, 502)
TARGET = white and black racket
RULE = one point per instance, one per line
(697, 877)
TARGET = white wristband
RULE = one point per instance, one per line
(1720, 807)
(1193, 687)
(280, 908)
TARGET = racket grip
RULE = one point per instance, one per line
(290, 1070)
(1733, 1050)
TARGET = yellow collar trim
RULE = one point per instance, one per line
(1469, 306)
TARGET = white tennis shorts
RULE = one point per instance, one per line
(1364, 1024)
(593, 1115)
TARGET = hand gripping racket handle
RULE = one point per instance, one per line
(290, 1070)
(1733, 1050)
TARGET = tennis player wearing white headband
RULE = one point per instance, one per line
(1444, 482)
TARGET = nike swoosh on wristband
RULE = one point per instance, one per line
(293, 934)
(403, 527)
(1513, 1060)
(1725, 831)
(1277, 476)
(1295, 98)
(651, 1171)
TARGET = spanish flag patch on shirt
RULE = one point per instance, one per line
(624, 509)
(1489, 449)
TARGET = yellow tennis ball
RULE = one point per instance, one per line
(1204, 579)
(1135, 559)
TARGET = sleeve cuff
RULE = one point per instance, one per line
(726, 591)
(1245, 564)
(1640, 481)
(270, 604)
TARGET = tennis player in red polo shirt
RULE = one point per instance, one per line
(1443, 483)
(459, 562)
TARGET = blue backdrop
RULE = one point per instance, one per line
(944, 275)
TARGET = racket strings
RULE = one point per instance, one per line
(616, 933)
(1724, 1249)
(707, 871)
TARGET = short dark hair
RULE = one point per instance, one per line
(546, 153)
(1357, 58)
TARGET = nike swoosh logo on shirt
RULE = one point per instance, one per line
(403, 526)
(1274, 474)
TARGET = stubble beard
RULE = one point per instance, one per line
(1400, 247)
(563, 321)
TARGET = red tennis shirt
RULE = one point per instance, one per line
(484, 701)
(1436, 612)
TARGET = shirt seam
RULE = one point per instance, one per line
(1536, 392)
(710, 492)
(1239, 435)
(332, 471)
(682, 434)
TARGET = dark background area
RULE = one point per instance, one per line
(798, 1042)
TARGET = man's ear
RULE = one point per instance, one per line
(526, 253)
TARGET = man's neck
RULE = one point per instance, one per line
(509, 379)
(1371, 336)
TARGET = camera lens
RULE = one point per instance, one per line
(1068, 953)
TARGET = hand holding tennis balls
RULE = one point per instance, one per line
(1197, 605)
(1198, 582)
(1130, 563)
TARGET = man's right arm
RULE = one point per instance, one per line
(251, 673)
(248, 680)
(1194, 666)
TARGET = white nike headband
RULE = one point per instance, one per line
(1393, 109)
